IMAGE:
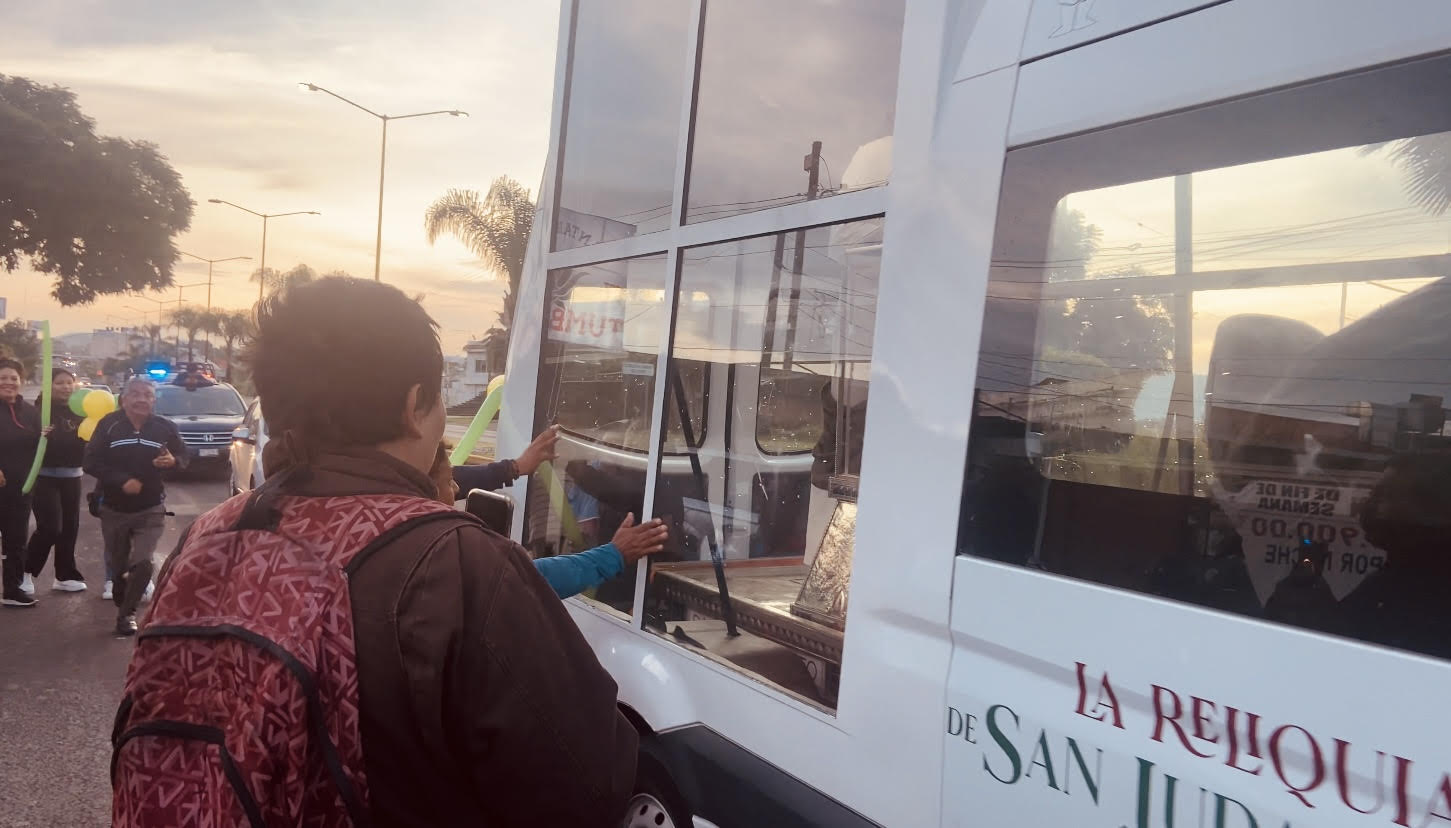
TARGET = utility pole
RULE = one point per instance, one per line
(811, 165)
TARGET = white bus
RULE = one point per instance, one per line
(1048, 398)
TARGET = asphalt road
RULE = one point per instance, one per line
(61, 671)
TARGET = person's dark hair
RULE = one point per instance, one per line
(333, 361)
(7, 362)
(55, 372)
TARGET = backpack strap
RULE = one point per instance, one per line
(261, 511)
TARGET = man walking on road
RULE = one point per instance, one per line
(127, 454)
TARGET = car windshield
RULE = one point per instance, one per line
(214, 401)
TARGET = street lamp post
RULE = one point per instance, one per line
(145, 321)
(160, 303)
(211, 262)
(262, 266)
(179, 289)
(382, 159)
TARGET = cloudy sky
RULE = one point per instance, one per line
(216, 86)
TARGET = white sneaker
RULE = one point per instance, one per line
(106, 593)
(69, 586)
(27, 584)
(150, 588)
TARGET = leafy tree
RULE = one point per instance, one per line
(98, 213)
(19, 342)
(1119, 340)
(495, 228)
(133, 361)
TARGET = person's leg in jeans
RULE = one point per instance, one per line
(134, 574)
(14, 527)
(116, 534)
(69, 489)
(45, 503)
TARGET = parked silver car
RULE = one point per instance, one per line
(248, 441)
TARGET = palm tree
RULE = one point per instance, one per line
(1426, 162)
(495, 228)
(153, 332)
(233, 327)
(191, 320)
(211, 320)
(275, 280)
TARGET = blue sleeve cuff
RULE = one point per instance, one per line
(610, 559)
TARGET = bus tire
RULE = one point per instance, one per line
(656, 802)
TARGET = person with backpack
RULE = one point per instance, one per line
(56, 498)
(337, 647)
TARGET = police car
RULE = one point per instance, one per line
(205, 411)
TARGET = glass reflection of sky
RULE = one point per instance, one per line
(1337, 206)
(629, 74)
(776, 76)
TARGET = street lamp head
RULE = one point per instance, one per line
(214, 201)
(307, 87)
(458, 113)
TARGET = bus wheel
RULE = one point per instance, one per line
(655, 803)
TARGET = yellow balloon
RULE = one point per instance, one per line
(494, 383)
(88, 425)
(98, 405)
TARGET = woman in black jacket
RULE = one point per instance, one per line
(56, 498)
(19, 436)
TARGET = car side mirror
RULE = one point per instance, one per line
(243, 435)
(494, 509)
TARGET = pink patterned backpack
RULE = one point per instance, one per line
(241, 702)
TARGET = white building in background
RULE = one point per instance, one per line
(453, 373)
(476, 374)
(110, 342)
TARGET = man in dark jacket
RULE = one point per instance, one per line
(128, 451)
(479, 701)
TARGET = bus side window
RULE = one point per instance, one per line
(767, 504)
(1212, 371)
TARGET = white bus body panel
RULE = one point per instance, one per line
(1058, 25)
(1224, 51)
(1021, 635)
(1009, 636)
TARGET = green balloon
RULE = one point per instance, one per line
(78, 400)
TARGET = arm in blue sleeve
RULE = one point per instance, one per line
(572, 574)
(489, 477)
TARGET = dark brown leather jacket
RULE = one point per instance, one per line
(482, 705)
